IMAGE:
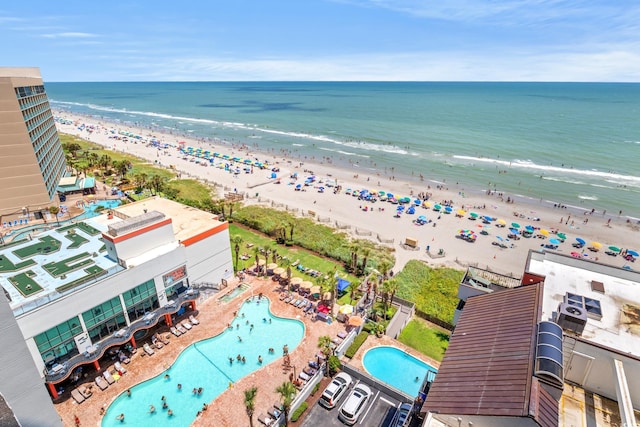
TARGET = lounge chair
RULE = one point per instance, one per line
(342, 334)
(162, 340)
(107, 376)
(101, 383)
(187, 325)
(85, 391)
(336, 341)
(265, 419)
(77, 396)
(181, 328)
(303, 376)
(174, 331)
(157, 344)
(287, 299)
(193, 320)
(147, 349)
(118, 367)
(274, 413)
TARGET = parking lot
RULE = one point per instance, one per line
(379, 411)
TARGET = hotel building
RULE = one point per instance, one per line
(82, 290)
(31, 157)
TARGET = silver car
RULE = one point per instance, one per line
(335, 390)
(355, 404)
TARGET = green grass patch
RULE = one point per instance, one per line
(76, 239)
(190, 189)
(6, 265)
(24, 283)
(428, 340)
(433, 290)
(45, 245)
(356, 344)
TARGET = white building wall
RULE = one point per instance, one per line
(210, 259)
(138, 245)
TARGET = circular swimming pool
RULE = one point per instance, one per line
(206, 364)
(397, 368)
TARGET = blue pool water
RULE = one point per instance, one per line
(90, 208)
(234, 293)
(396, 368)
(206, 364)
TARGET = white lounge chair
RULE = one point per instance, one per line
(101, 383)
(187, 325)
(193, 320)
(107, 376)
(121, 369)
(174, 331)
(147, 349)
(181, 328)
(77, 396)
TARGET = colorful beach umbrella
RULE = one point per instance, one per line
(632, 253)
(502, 222)
(614, 249)
(544, 232)
(461, 212)
(437, 207)
(448, 209)
(346, 309)
(581, 241)
(515, 225)
(562, 236)
(487, 218)
(554, 241)
(473, 215)
(596, 245)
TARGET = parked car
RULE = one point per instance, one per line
(335, 390)
(401, 415)
(355, 404)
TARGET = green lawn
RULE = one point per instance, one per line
(190, 189)
(424, 338)
(306, 258)
(44, 245)
(25, 284)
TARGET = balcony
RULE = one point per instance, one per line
(61, 371)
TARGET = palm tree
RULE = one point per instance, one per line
(236, 241)
(324, 343)
(250, 403)
(54, 210)
(93, 159)
(256, 254)
(287, 392)
(156, 182)
(121, 167)
(286, 264)
(292, 225)
(105, 161)
(73, 148)
(365, 256)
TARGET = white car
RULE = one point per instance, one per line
(402, 414)
(335, 390)
(355, 404)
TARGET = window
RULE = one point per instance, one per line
(102, 313)
(59, 340)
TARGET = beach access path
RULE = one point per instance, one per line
(377, 221)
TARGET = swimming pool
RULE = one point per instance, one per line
(206, 364)
(396, 368)
(234, 293)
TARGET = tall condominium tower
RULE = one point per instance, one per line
(31, 157)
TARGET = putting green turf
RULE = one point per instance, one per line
(25, 284)
(44, 245)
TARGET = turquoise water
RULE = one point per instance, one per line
(396, 368)
(234, 293)
(206, 364)
(90, 208)
(574, 143)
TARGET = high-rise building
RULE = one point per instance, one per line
(31, 157)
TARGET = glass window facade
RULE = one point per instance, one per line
(58, 342)
(104, 319)
(141, 299)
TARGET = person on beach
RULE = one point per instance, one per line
(76, 420)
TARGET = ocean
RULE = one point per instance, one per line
(576, 144)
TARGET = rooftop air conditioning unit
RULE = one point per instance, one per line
(572, 318)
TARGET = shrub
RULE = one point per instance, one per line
(356, 344)
(315, 389)
(299, 411)
(334, 364)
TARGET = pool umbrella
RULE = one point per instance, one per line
(272, 266)
(261, 262)
(632, 253)
(562, 236)
(278, 271)
(315, 290)
(614, 249)
(346, 309)
(296, 280)
(515, 225)
(554, 241)
(306, 285)
(355, 321)
(581, 241)
(327, 296)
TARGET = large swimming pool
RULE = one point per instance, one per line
(206, 364)
(396, 368)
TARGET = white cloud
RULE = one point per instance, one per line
(69, 34)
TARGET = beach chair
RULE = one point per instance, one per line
(193, 320)
(181, 328)
(147, 349)
(107, 376)
(77, 396)
(336, 341)
(274, 413)
(309, 370)
(121, 369)
(187, 325)
(85, 391)
(162, 340)
(101, 383)
(342, 334)
(265, 419)
(174, 331)
(304, 377)
(157, 344)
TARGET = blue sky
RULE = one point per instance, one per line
(261, 40)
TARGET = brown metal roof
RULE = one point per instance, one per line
(488, 367)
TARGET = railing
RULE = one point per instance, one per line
(119, 337)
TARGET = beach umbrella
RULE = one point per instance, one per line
(355, 321)
(487, 218)
(346, 309)
(500, 238)
(529, 228)
(448, 209)
(502, 222)
(315, 290)
(296, 280)
(278, 271)
(596, 245)
(632, 253)
(260, 262)
(461, 212)
(390, 196)
(326, 296)
(271, 266)
(575, 254)
(514, 231)
(581, 241)
(554, 241)
(417, 202)
(515, 225)
(306, 285)
(544, 232)
(426, 205)
(400, 208)
(614, 249)
(473, 215)
(562, 236)
(437, 207)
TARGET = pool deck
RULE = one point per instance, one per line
(228, 409)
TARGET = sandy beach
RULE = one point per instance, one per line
(379, 221)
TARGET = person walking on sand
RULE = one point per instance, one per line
(76, 420)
